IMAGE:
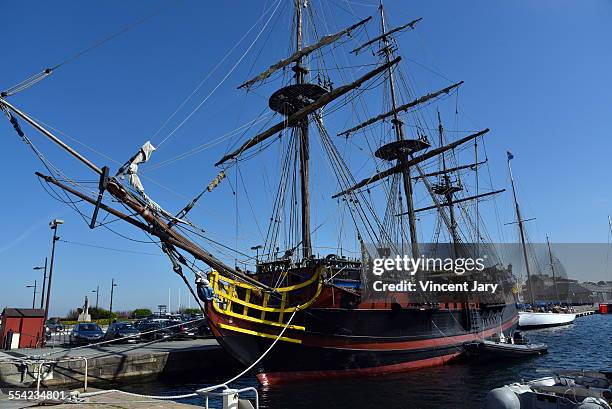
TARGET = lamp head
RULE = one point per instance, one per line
(55, 222)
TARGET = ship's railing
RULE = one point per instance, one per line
(247, 302)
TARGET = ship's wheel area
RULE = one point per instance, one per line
(290, 99)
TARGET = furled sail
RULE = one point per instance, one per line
(401, 108)
(307, 110)
(131, 170)
(326, 40)
(442, 172)
(387, 34)
(411, 162)
(464, 199)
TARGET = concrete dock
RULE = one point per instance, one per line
(111, 363)
(110, 400)
(585, 313)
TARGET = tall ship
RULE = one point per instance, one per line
(291, 311)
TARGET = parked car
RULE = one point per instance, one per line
(180, 329)
(201, 327)
(86, 333)
(123, 332)
(160, 332)
(54, 325)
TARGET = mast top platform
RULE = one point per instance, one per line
(290, 99)
(400, 149)
(446, 189)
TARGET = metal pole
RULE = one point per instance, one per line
(34, 298)
(55, 238)
(42, 294)
(97, 295)
(110, 312)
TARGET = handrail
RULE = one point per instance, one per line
(279, 289)
(227, 391)
(222, 294)
(226, 296)
(57, 361)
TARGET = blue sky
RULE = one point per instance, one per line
(536, 72)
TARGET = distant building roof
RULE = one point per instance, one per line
(23, 312)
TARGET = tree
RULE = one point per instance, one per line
(73, 314)
(190, 311)
(141, 312)
(98, 313)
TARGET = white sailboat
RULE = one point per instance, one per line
(531, 319)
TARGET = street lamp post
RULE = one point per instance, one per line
(110, 313)
(53, 225)
(97, 291)
(42, 292)
(34, 297)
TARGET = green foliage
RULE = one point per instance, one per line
(141, 313)
(191, 311)
(100, 313)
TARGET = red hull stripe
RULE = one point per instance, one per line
(331, 342)
(275, 378)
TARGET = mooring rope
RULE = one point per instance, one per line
(200, 391)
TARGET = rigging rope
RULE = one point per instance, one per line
(108, 248)
(222, 80)
(201, 391)
(28, 82)
(203, 81)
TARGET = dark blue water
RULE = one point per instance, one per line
(586, 344)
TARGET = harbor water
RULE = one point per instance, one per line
(585, 344)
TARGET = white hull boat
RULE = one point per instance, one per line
(566, 390)
(544, 319)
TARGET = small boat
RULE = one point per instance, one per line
(565, 390)
(534, 320)
(516, 346)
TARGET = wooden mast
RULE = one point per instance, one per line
(448, 190)
(154, 224)
(398, 125)
(519, 220)
(304, 143)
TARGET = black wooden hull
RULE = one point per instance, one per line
(357, 342)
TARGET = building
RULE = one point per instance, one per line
(569, 291)
(22, 328)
